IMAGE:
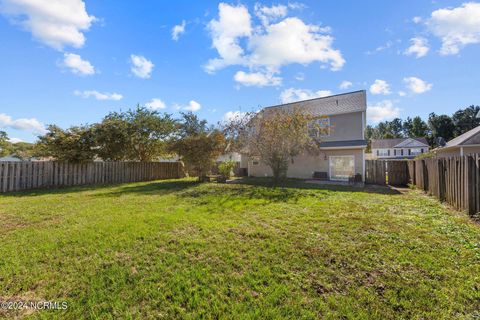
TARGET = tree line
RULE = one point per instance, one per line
(138, 134)
(273, 136)
(437, 126)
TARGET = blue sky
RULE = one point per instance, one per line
(70, 62)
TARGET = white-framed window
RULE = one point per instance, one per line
(382, 153)
(319, 127)
(416, 151)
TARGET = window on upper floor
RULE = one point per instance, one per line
(319, 128)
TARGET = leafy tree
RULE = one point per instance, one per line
(465, 120)
(415, 127)
(276, 136)
(197, 145)
(440, 126)
(395, 128)
(22, 150)
(76, 144)
(3, 144)
(140, 134)
(191, 125)
(111, 138)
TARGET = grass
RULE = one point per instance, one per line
(178, 249)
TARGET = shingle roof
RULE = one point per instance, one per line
(337, 104)
(463, 139)
(391, 143)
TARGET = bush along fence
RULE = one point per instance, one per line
(25, 175)
(455, 180)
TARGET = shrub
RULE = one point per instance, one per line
(226, 168)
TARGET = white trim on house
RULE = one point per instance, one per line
(342, 148)
(363, 163)
(457, 146)
(330, 167)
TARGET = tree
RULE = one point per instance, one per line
(415, 127)
(465, 120)
(76, 144)
(276, 136)
(140, 134)
(440, 126)
(3, 144)
(111, 138)
(197, 145)
(22, 150)
(395, 128)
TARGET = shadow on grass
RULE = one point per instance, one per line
(239, 192)
(153, 188)
(301, 184)
(162, 187)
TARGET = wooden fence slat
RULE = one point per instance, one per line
(15, 176)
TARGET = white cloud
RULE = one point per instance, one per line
(300, 76)
(417, 19)
(292, 94)
(233, 115)
(417, 85)
(268, 46)
(15, 140)
(257, 79)
(155, 104)
(380, 87)
(269, 14)
(77, 65)
(56, 23)
(381, 48)
(292, 41)
(31, 125)
(419, 47)
(192, 106)
(233, 22)
(456, 27)
(141, 66)
(345, 84)
(98, 95)
(178, 30)
(382, 111)
(402, 93)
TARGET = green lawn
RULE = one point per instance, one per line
(178, 249)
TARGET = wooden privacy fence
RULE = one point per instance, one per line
(455, 180)
(16, 176)
(383, 172)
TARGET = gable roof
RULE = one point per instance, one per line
(337, 104)
(399, 143)
(465, 139)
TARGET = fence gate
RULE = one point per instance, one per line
(383, 172)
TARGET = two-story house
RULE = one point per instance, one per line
(342, 152)
(401, 148)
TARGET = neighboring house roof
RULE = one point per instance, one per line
(399, 143)
(9, 158)
(469, 137)
(337, 104)
(345, 143)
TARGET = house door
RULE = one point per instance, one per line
(341, 167)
